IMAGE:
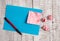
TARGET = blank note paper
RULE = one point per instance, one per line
(34, 18)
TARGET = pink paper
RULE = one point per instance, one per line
(34, 18)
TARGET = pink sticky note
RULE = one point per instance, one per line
(34, 18)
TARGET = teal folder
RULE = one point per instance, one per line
(18, 16)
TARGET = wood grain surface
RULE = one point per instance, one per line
(49, 7)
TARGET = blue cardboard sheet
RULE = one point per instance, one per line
(18, 16)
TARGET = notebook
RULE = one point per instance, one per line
(18, 16)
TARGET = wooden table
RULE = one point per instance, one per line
(51, 7)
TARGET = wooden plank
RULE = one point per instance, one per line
(24, 3)
(56, 23)
(5, 35)
(47, 9)
(36, 4)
